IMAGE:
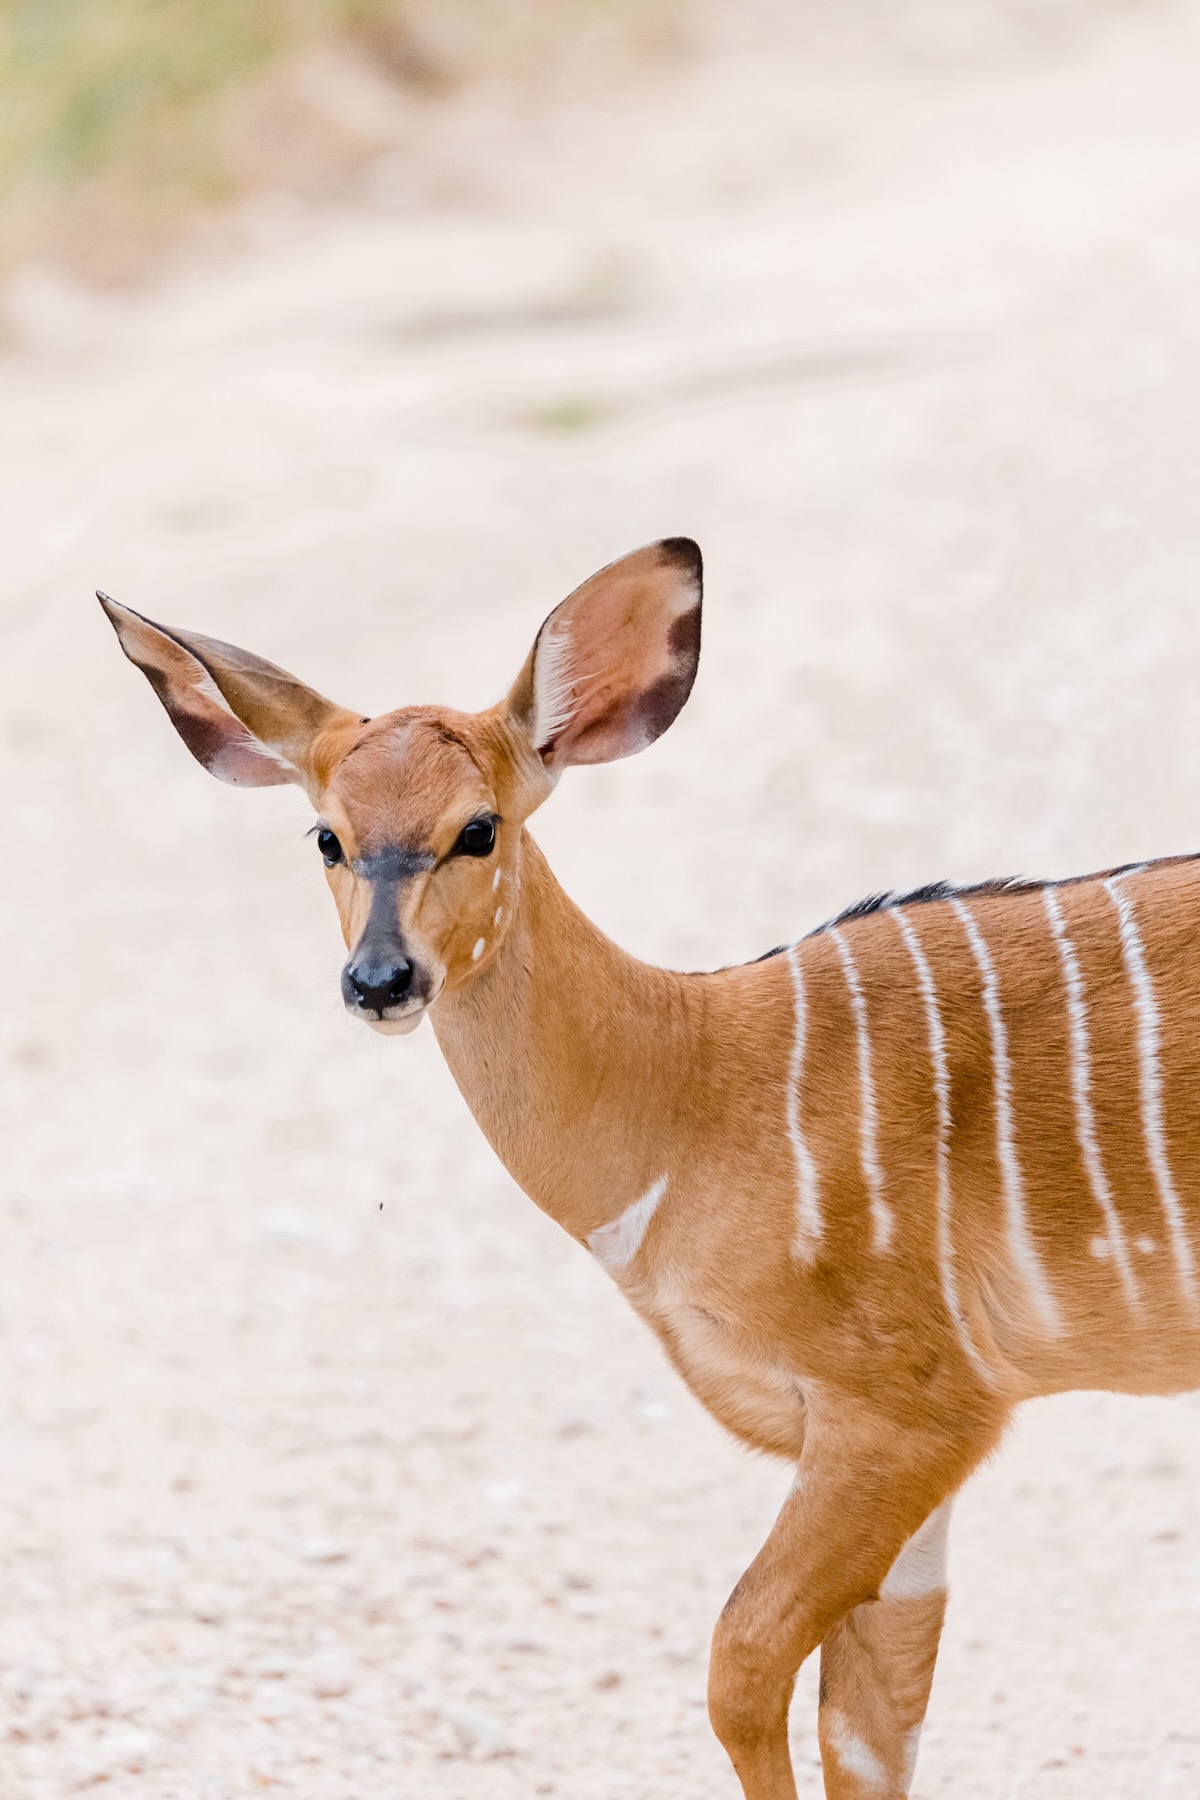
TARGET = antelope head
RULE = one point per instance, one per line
(419, 812)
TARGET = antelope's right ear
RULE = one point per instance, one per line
(248, 722)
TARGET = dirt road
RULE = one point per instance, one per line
(327, 1467)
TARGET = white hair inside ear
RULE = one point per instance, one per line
(553, 686)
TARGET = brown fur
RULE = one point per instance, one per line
(595, 1077)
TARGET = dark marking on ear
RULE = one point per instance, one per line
(661, 704)
(203, 736)
(684, 636)
(684, 552)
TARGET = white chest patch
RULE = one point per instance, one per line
(615, 1245)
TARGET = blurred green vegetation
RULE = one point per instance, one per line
(89, 85)
(114, 113)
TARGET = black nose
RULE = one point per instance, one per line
(374, 986)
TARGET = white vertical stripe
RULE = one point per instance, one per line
(941, 1094)
(615, 1245)
(1150, 1082)
(1081, 1088)
(809, 1223)
(1020, 1240)
(882, 1221)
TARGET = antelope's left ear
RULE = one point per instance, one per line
(245, 720)
(614, 663)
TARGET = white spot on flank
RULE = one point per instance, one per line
(882, 1221)
(1100, 1248)
(809, 1224)
(1081, 1088)
(1020, 1240)
(920, 1568)
(480, 947)
(1150, 1081)
(615, 1245)
(941, 1093)
(856, 1757)
(1147, 1246)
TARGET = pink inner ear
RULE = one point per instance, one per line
(213, 734)
(219, 741)
(616, 661)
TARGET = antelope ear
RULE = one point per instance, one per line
(614, 663)
(248, 722)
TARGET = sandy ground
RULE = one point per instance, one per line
(328, 1467)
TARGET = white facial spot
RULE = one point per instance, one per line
(497, 915)
(480, 946)
(1147, 1246)
(496, 879)
(1100, 1248)
(856, 1757)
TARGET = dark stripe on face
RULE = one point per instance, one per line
(386, 870)
(394, 864)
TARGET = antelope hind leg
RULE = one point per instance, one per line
(876, 1672)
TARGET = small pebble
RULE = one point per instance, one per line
(476, 1731)
(324, 1550)
(331, 1673)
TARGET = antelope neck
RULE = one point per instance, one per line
(573, 1056)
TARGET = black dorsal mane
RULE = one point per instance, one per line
(998, 884)
(890, 898)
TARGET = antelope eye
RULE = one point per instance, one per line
(477, 839)
(327, 844)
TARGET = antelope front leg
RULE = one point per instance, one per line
(862, 1491)
(876, 1672)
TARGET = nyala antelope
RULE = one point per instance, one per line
(871, 1191)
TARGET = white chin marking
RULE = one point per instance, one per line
(396, 1027)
